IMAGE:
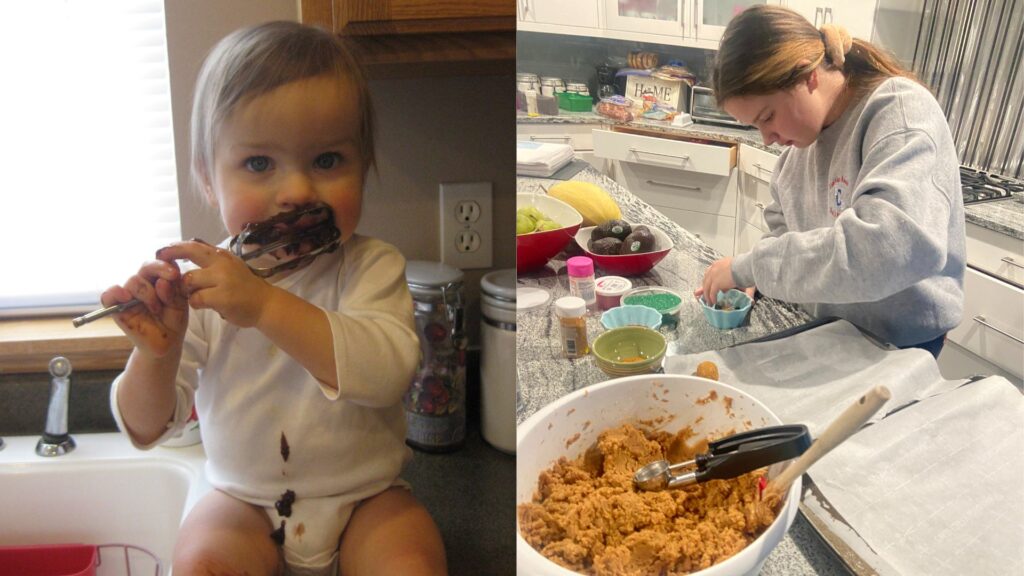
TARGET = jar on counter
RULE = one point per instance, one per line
(435, 403)
(581, 279)
(526, 81)
(577, 88)
(550, 85)
(497, 363)
(572, 326)
(610, 290)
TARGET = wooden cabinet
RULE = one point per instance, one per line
(414, 38)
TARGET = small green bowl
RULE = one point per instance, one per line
(629, 350)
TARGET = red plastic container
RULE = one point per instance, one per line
(48, 560)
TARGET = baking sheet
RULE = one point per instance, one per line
(935, 486)
(810, 378)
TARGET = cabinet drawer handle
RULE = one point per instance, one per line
(564, 138)
(671, 185)
(1012, 262)
(637, 153)
(981, 320)
(759, 206)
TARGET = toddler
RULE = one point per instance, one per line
(297, 379)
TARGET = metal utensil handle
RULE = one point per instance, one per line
(104, 312)
(839, 430)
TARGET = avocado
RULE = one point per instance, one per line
(605, 246)
(641, 240)
(612, 229)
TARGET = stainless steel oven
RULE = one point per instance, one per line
(704, 108)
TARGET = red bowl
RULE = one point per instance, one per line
(533, 250)
(627, 264)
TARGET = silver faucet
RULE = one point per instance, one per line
(56, 440)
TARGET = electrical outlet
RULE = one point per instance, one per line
(466, 225)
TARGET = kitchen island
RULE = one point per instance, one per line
(543, 375)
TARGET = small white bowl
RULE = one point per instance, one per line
(631, 315)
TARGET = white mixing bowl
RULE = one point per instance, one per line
(567, 426)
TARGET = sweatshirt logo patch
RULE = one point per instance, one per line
(837, 188)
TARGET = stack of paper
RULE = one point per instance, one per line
(541, 159)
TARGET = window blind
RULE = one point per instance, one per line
(89, 182)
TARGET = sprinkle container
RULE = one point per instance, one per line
(610, 290)
(664, 300)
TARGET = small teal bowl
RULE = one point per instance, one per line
(731, 308)
(631, 315)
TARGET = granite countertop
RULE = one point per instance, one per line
(1002, 216)
(543, 375)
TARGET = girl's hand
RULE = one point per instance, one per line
(223, 282)
(157, 325)
(718, 277)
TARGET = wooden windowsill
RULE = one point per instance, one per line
(28, 344)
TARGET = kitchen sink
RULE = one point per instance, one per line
(103, 492)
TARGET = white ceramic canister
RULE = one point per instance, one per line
(435, 403)
(497, 359)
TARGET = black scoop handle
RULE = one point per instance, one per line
(740, 453)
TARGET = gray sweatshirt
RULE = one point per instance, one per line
(867, 223)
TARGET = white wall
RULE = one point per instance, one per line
(429, 131)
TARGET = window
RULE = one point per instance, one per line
(89, 186)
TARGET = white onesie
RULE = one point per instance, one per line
(270, 428)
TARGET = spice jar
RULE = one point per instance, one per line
(435, 403)
(572, 324)
(581, 279)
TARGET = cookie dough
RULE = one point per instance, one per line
(588, 517)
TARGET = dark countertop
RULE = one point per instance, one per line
(543, 375)
(1002, 216)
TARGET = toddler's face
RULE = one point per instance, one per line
(291, 147)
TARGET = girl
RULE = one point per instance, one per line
(866, 221)
(297, 380)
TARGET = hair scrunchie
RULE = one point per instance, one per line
(837, 42)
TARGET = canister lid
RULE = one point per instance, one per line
(500, 284)
(570, 306)
(430, 277)
(613, 285)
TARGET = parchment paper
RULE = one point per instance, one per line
(936, 484)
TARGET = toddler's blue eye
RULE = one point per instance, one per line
(327, 160)
(257, 163)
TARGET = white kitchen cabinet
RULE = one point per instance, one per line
(692, 184)
(858, 16)
(575, 13)
(710, 17)
(579, 136)
(997, 254)
(753, 195)
(661, 17)
(993, 321)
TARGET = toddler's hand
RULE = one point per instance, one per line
(159, 323)
(223, 282)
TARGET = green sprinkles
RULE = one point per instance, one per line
(660, 302)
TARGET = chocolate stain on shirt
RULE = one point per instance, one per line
(284, 505)
(285, 450)
(278, 535)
